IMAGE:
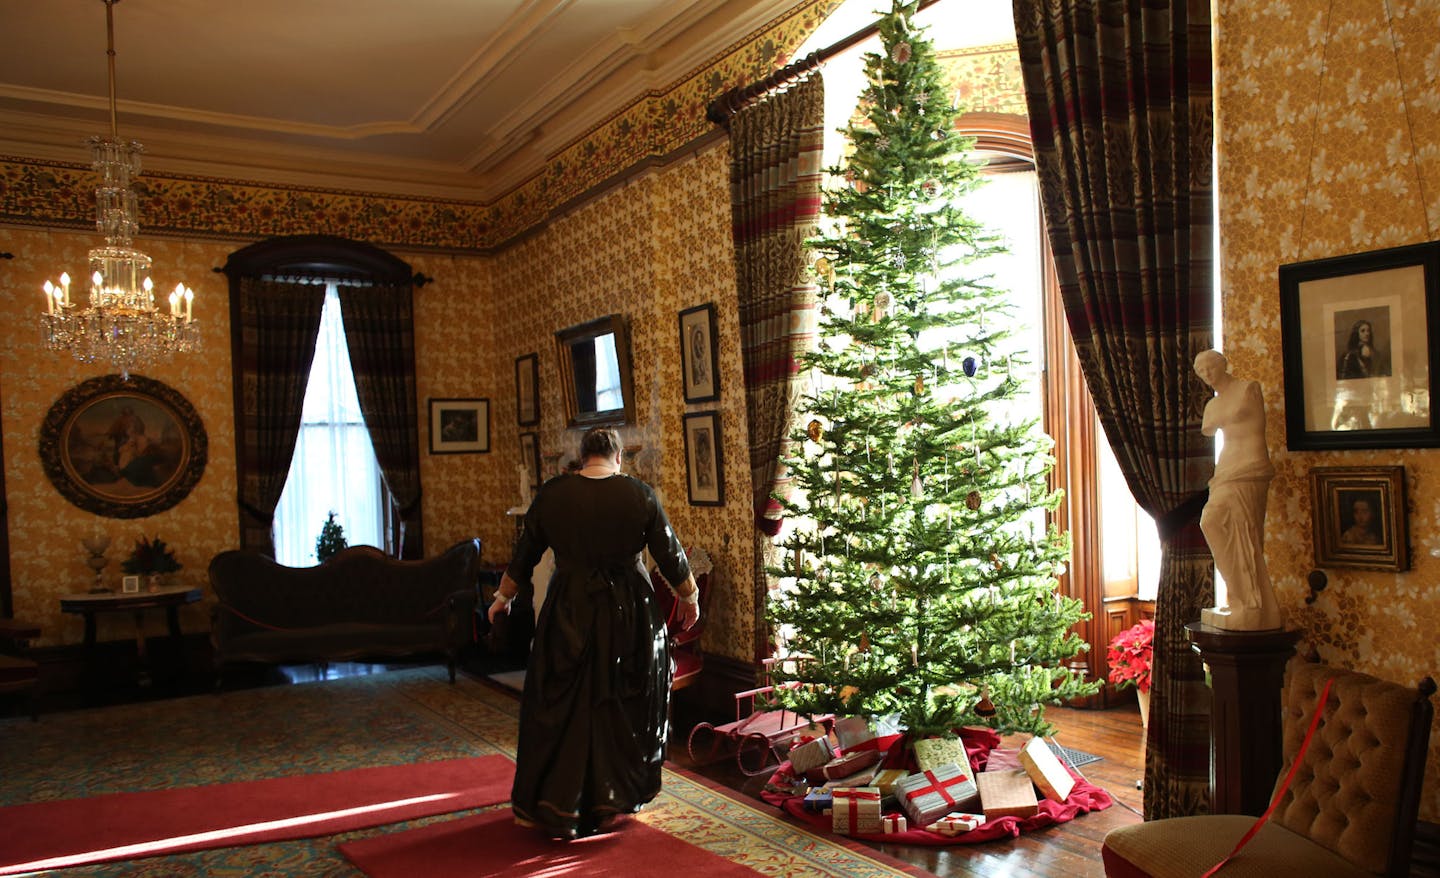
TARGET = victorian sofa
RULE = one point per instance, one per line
(359, 604)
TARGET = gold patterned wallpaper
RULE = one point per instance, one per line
(1328, 124)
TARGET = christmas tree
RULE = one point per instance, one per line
(331, 539)
(924, 582)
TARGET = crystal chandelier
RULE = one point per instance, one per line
(118, 322)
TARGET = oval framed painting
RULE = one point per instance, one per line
(123, 448)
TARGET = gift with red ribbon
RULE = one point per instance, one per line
(930, 795)
(893, 823)
(856, 809)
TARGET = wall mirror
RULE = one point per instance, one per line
(594, 362)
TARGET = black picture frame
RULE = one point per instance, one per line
(1342, 391)
(704, 464)
(123, 448)
(530, 456)
(699, 354)
(527, 390)
(1360, 517)
(459, 425)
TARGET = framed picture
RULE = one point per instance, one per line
(704, 469)
(459, 426)
(1360, 517)
(123, 448)
(527, 390)
(699, 354)
(1361, 343)
(129, 584)
(530, 456)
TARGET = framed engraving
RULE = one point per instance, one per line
(459, 426)
(1359, 338)
(699, 354)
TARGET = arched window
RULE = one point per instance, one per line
(278, 290)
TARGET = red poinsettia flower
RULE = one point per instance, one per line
(1130, 655)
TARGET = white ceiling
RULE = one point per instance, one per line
(455, 99)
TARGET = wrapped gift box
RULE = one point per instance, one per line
(819, 800)
(886, 778)
(845, 767)
(810, 755)
(956, 823)
(892, 823)
(930, 795)
(932, 752)
(852, 731)
(856, 809)
(1007, 793)
(1045, 770)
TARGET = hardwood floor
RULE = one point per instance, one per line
(1069, 850)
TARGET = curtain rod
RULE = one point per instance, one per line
(728, 104)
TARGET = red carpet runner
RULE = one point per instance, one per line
(492, 845)
(125, 826)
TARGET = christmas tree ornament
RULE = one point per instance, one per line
(901, 53)
(972, 500)
(919, 384)
(970, 366)
(917, 490)
(985, 708)
(815, 430)
(864, 643)
(930, 188)
(883, 303)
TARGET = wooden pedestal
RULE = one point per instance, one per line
(1247, 669)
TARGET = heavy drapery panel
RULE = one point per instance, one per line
(1119, 95)
(278, 323)
(380, 332)
(775, 150)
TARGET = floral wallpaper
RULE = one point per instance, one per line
(1328, 124)
(646, 250)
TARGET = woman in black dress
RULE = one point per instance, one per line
(594, 713)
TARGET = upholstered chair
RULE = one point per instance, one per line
(1350, 809)
(685, 645)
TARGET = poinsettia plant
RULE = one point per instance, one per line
(150, 556)
(1130, 654)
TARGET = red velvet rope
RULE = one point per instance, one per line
(1280, 793)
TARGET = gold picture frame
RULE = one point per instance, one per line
(1360, 519)
(123, 448)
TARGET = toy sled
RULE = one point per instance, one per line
(762, 732)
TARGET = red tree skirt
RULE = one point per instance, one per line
(979, 744)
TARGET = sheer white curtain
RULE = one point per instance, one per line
(334, 468)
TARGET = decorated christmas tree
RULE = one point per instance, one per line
(920, 582)
(331, 539)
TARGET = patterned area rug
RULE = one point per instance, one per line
(354, 722)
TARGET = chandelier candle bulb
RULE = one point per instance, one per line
(49, 298)
(189, 300)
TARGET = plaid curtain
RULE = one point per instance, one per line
(775, 173)
(380, 334)
(278, 324)
(1119, 94)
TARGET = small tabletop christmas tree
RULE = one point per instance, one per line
(926, 588)
(331, 540)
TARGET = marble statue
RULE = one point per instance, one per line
(1233, 520)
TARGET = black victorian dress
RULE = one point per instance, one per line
(593, 717)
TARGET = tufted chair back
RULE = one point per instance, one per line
(1354, 788)
(1349, 812)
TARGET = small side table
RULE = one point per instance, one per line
(91, 605)
(1247, 670)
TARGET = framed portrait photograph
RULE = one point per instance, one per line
(129, 584)
(530, 456)
(527, 390)
(1361, 343)
(703, 466)
(699, 353)
(123, 448)
(459, 426)
(1360, 517)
